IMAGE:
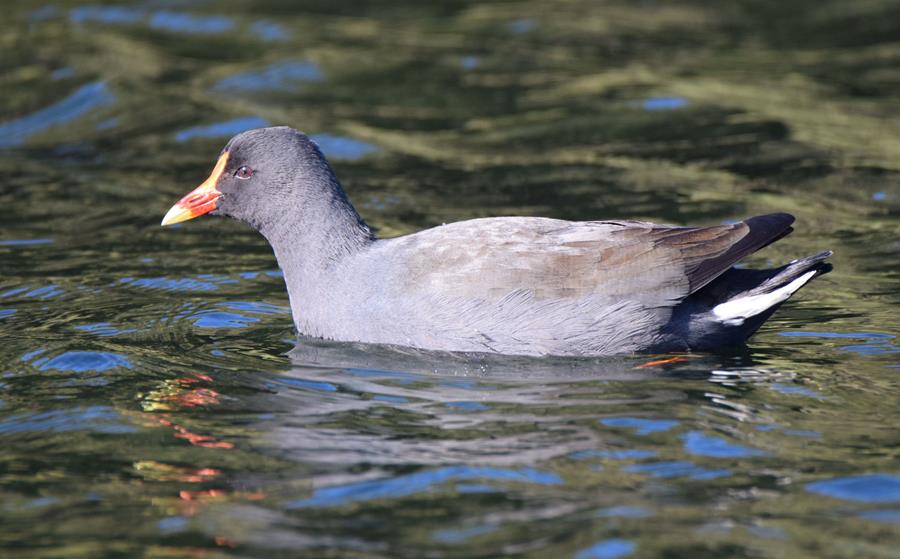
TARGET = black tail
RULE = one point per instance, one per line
(733, 307)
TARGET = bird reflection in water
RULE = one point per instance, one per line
(206, 486)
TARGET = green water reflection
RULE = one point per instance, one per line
(152, 402)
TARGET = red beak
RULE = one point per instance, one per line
(201, 200)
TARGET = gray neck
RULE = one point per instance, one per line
(312, 235)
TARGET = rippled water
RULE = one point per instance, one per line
(155, 402)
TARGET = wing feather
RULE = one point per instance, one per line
(654, 265)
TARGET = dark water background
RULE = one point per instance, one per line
(149, 408)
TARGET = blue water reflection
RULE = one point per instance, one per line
(257, 307)
(871, 488)
(460, 535)
(390, 399)
(810, 334)
(45, 292)
(307, 384)
(333, 146)
(522, 25)
(475, 488)
(85, 99)
(272, 78)
(105, 329)
(219, 129)
(32, 354)
(701, 444)
(888, 516)
(796, 389)
(624, 511)
(676, 468)
(470, 62)
(41, 502)
(25, 242)
(664, 103)
(163, 20)
(400, 376)
(172, 524)
(62, 73)
(100, 419)
(83, 361)
(607, 549)
(881, 348)
(626, 454)
(180, 22)
(106, 14)
(218, 319)
(640, 425)
(802, 433)
(232, 319)
(467, 406)
(341, 147)
(269, 31)
(199, 284)
(878, 343)
(107, 124)
(402, 486)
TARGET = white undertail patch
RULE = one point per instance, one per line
(735, 311)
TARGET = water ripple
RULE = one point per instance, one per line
(100, 419)
(25, 242)
(45, 292)
(220, 129)
(341, 147)
(701, 444)
(273, 77)
(626, 454)
(105, 329)
(640, 425)
(607, 549)
(83, 361)
(676, 468)
(624, 511)
(181, 22)
(871, 488)
(106, 14)
(198, 284)
(218, 319)
(852, 335)
(269, 31)
(402, 486)
(664, 103)
(888, 516)
(452, 536)
(85, 99)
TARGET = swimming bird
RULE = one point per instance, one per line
(511, 285)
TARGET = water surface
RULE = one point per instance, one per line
(155, 402)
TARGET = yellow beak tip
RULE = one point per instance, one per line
(175, 215)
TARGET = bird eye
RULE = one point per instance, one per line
(243, 172)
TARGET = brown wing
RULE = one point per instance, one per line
(707, 252)
(652, 264)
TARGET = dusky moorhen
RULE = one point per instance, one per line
(512, 285)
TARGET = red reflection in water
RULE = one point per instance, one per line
(221, 541)
(205, 441)
(160, 471)
(666, 361)
(192, 501)
(179, 394)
